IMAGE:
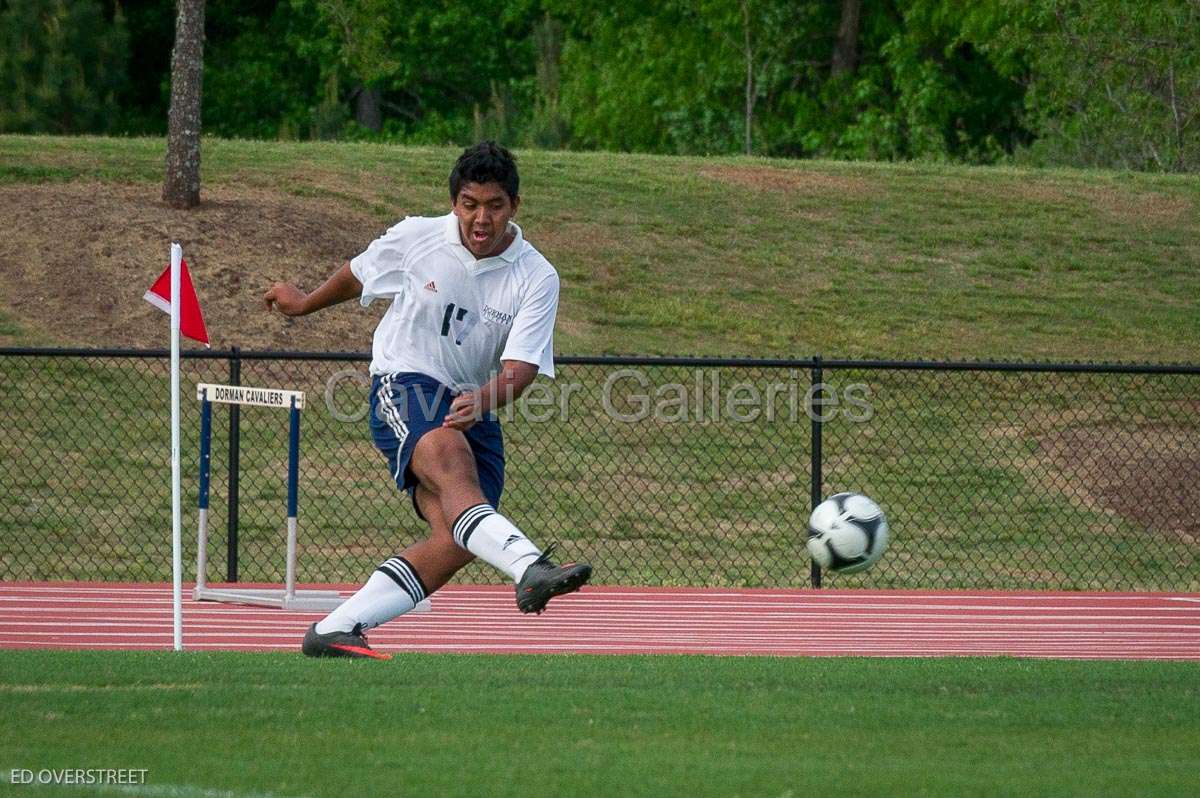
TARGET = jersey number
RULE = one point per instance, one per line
(454, 318)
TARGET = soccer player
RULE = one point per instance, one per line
(469, 328)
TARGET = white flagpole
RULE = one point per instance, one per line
(176, 520)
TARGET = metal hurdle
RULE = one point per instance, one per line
(289, 598)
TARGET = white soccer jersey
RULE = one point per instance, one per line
(454, 318)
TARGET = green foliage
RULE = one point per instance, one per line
(62, 66)
(549, 127)
(929, 91)
(684, 76)
(444, 69)
(147, 93)
(261, 80)
(643, 80)
(673, 77)
(1113, 83)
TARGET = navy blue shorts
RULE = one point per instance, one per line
(405, 406)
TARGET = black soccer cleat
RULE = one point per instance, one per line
(543, 580)
(339, 644)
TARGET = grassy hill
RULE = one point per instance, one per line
(722, 256)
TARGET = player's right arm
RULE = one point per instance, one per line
(291, 301)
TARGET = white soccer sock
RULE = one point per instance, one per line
(492, 538)
(392, 590)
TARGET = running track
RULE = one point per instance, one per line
(608, 620)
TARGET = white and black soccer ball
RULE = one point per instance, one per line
(847, 533)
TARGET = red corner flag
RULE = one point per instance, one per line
(191, 320)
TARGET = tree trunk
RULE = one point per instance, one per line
(845, 49)
(368, 108)
(748, 53)
(181, 187)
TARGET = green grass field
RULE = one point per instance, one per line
(255, 724)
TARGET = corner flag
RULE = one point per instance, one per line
(191, 320)
(173, 293)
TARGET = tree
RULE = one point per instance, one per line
(1113, 83)
(181, 187)
(368, 51)
(421, 71)
(748, 54)
(687, 76)
(766, 38)
(62, 66)
(548, 128)
(927, 84)
(257, 81)
(845, 47)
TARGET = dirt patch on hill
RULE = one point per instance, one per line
(76, 258)
(1143, 208)
(1121, 205)
(1149, 476)
(765, 178)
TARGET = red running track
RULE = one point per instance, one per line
(610, 620)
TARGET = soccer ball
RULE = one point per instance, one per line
(847, 533)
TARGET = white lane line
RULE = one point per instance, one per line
(580, 606)
(858, 641)
(715, 597)
(590, 630)
(575, 605)
(563, 619)
(496, 642)
(1140, 653)
(588, 620)
(589, 626)
(569, 611)
(585, 620)
(489, 592)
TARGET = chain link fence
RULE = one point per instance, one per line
(658, 471)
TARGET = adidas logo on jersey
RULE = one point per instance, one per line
(429, 286)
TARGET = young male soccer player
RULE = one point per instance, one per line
(469, 328)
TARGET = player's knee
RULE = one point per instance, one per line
(443, 457)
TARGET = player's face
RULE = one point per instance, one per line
(483, 211)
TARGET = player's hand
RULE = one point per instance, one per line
(286, 298)
(465, 410)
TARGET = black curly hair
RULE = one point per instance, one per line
(486, 162)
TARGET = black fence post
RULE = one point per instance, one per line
(815, 406)
(235, 433)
